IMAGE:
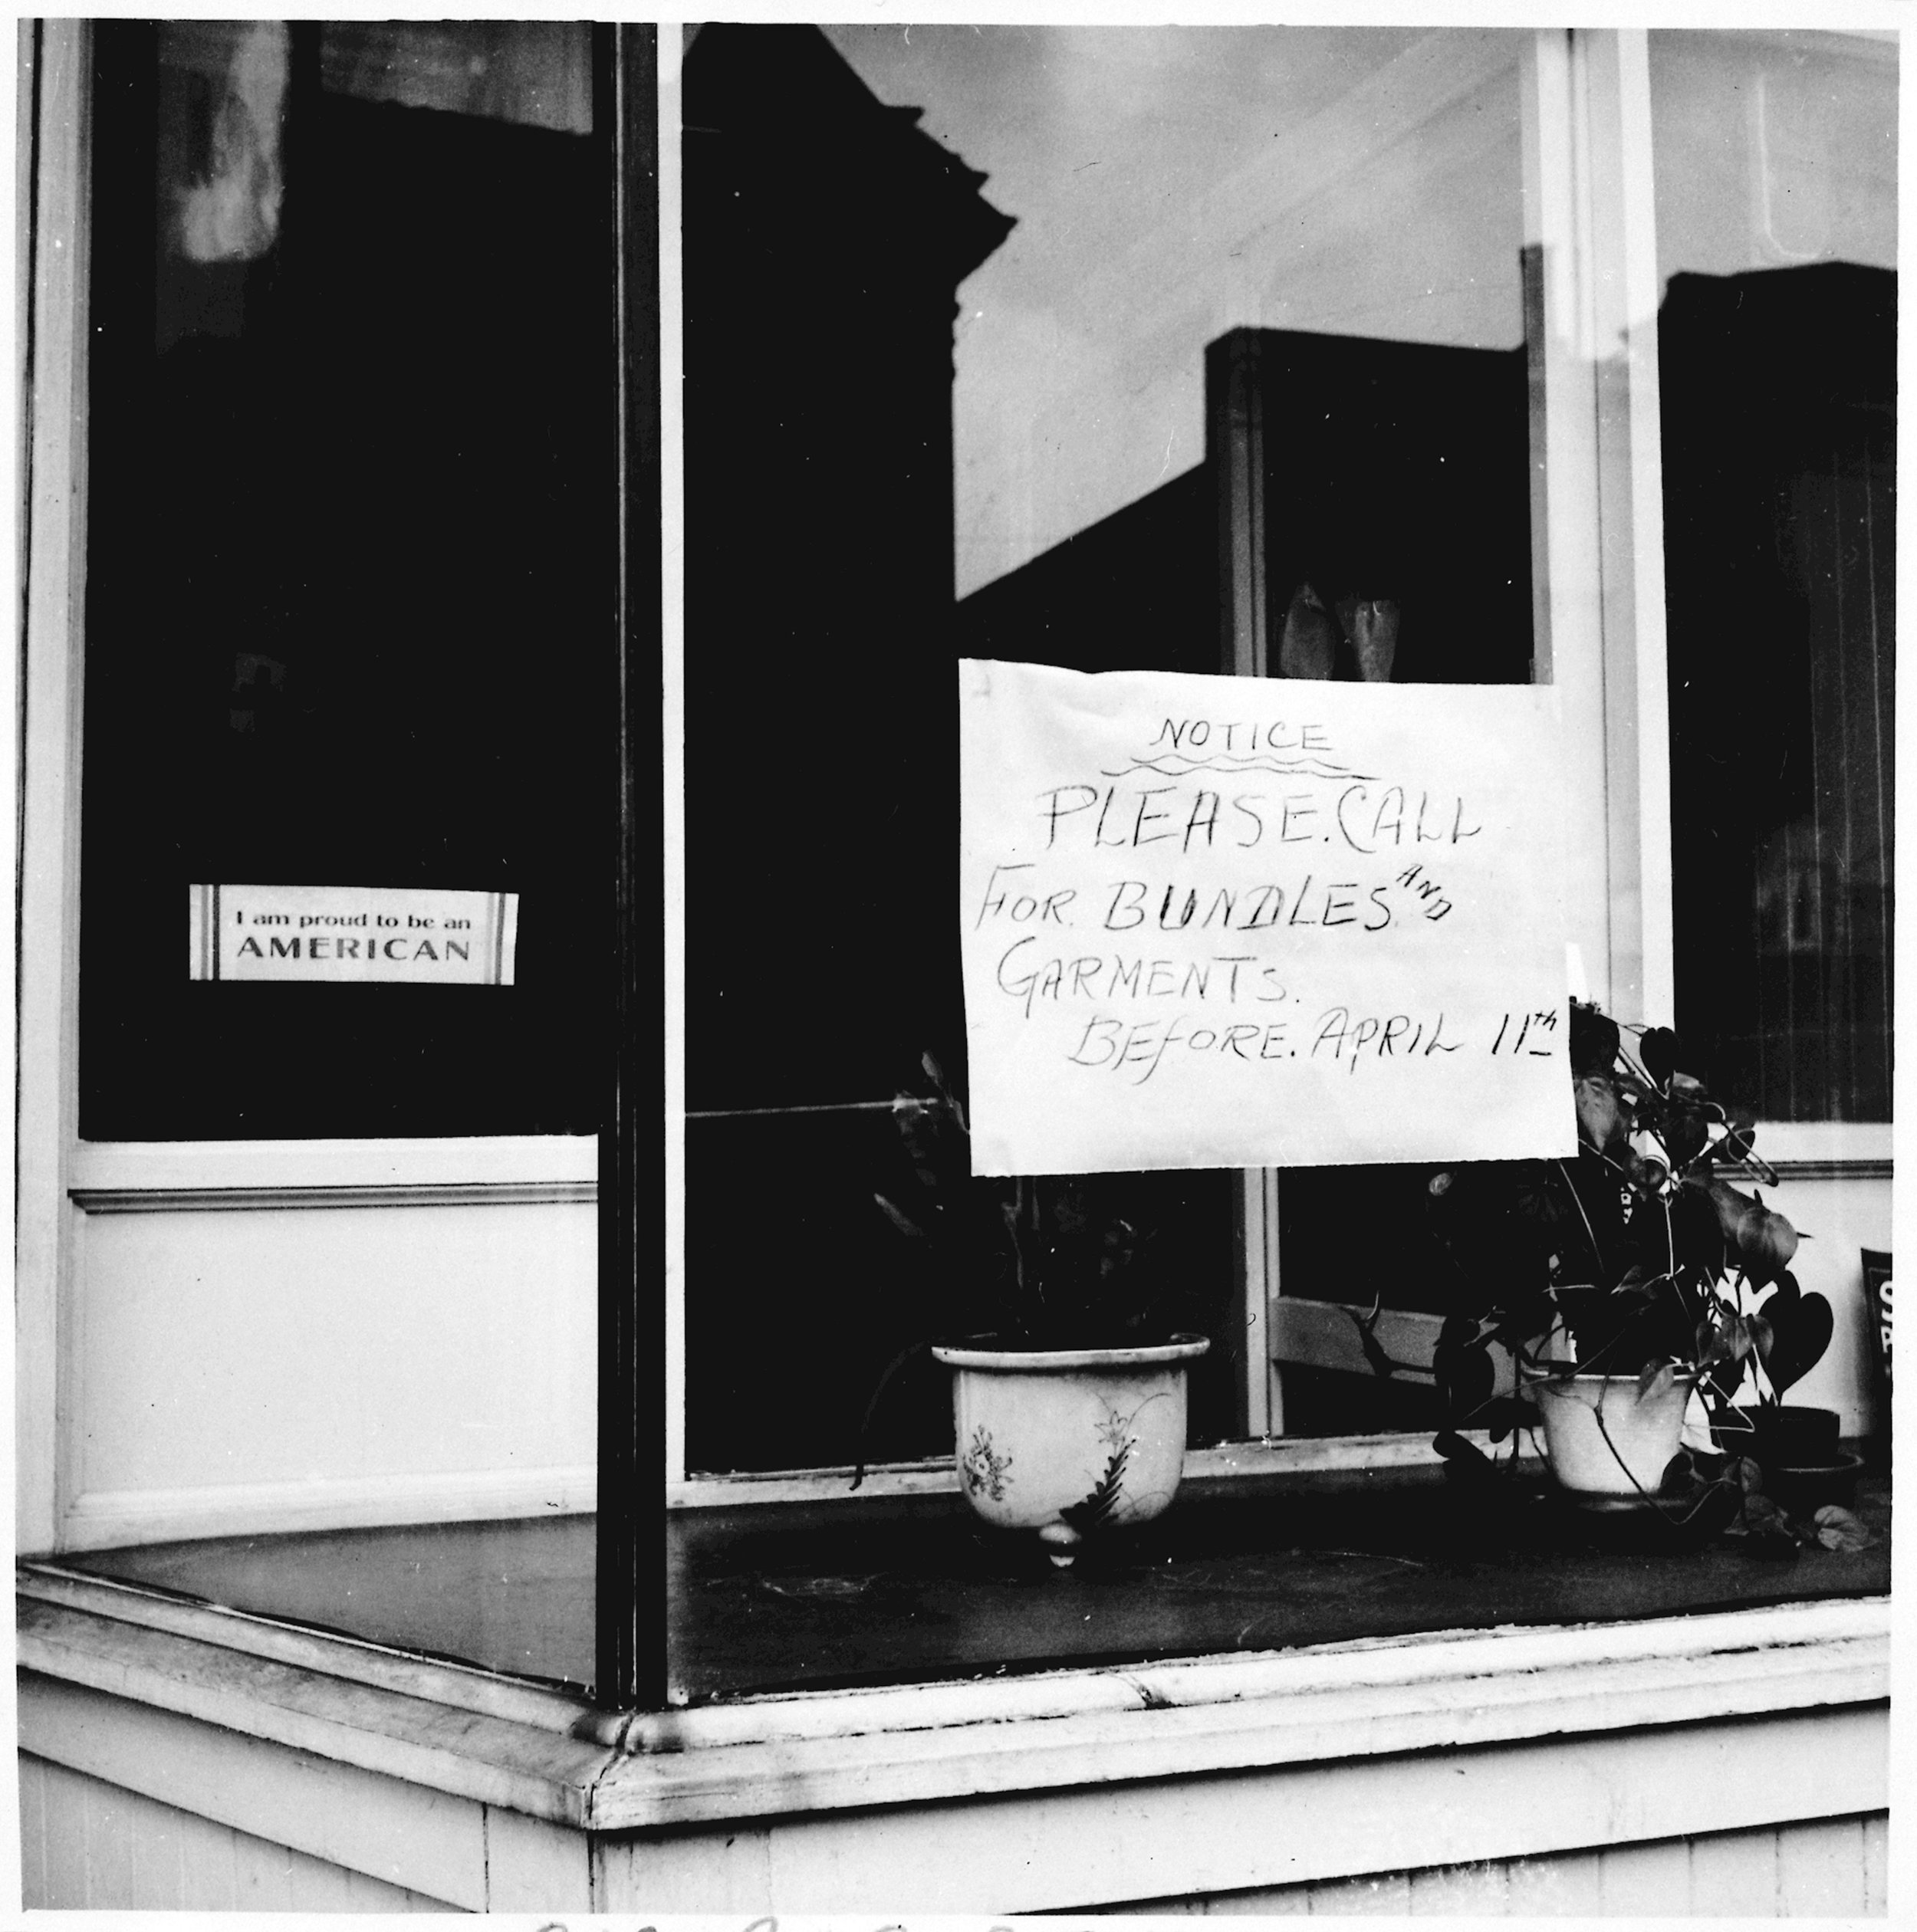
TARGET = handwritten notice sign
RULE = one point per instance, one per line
(1221, 922)
(353, 933)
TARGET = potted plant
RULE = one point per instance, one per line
(1625, 1282)
(1068, 1381)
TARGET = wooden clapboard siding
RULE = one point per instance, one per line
(86, 1844)
(1821, 1869)
(1532, 1809)
(1226, 1777)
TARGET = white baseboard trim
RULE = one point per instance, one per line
(108, 1519)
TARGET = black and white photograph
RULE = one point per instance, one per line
(953, 965)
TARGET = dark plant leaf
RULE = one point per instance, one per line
(1594, 1041)
(1696, 1237)
(1800, 1335)
(1770, 1530)
(1684, 1129)
(1659, 1052)
(1837, 1528)
(1656, 1380)
(1506, 1413)
(1757, 1238)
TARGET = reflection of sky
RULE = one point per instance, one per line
(1170, 184)
(1772, 149)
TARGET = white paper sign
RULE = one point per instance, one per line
(1225, 922)
(352, 933)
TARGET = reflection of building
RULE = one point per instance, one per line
(1369, 468)
(825, 237)
(1780, 504)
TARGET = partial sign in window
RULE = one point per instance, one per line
(342, 936)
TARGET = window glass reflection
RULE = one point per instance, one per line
(1776, 159)
(1194, 348)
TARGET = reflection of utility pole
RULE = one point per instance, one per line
(1234, 451)
(1235, 446)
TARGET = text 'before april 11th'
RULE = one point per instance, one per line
(1137, 1048)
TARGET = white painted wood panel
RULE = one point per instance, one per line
(1876, 1865)
(1645, 1881)
(1568, 1886)
(127, 1169)
(1384, 1895)
(1727, 1875)
(1820, 1870)
(115, 1850)
(323, 1367)
(401, 1834)
(1185, 1838)
(1734, 1874)
(1456, 1891)
(1300, 1836)
(32, 1775)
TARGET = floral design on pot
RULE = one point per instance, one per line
(983, 1468)
(1097, 1434)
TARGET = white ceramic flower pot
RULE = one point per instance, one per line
(1069, 1442)
(1602, 1441)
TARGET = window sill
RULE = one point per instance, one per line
(467, 1735)
(1503, 1680)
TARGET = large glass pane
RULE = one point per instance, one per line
(1776, 165)
(351, 586)
(351, 630)
(1200, 349)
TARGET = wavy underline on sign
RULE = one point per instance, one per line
(1172, 767)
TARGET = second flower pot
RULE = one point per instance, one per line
(1606, 1444)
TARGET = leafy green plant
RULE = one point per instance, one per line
(1635, 1257)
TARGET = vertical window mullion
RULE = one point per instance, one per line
(1235, 438)
(56, 110)
(1598, 502)
(631, 1664)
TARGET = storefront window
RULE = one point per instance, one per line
(1172, 349)
(351, 663)
(1776, 163)
(1217, 350)
(351, 583)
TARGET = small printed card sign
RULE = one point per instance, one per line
(354, 933)
(1211, 921)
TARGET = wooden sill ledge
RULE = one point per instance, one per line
(463, 1732)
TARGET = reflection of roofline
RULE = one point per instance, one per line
(788, 91)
